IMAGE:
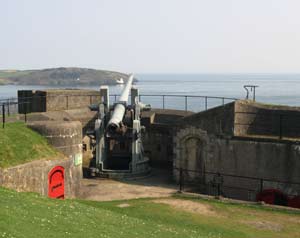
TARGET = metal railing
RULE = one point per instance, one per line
(184, 98)
(274, 125)
(230, 185)
(194, 103)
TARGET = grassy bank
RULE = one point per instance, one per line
(19, 144)
(30, 215)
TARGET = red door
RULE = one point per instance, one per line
(272, 196)
(56, 183)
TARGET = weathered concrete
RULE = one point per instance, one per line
(33, 176)
(256, 119)
(272, 161)
(216, 121)
(66, 136)
(158, 139)
(56, 100)
(245, 118)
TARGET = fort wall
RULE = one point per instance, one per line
(274, 162)
(55, 100)
(256, 119)
(33, 176)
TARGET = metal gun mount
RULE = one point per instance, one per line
(118, 130)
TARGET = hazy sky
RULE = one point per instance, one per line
(152, 36)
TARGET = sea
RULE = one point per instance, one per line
(283, 89)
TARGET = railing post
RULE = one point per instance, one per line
(163, 101)
(25, 114)
(261, 186)
(223, 101)
(186, 98)
(67, 101)
(280, 126)
(180, 180)
(115, 98)
(205, 103)
(8, 112)
(3, 116)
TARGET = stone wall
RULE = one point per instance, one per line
(272, 161)
(255, 119)
(158, 139)
(33, 176)
(56, 100)
(65, 136)
(158, 145)
(217, 121)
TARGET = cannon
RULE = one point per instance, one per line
(120, 108)
(118, 131)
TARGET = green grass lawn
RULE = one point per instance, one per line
(30, 215)
(19, 144)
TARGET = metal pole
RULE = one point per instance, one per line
(25, 113)
(163, 97)
(3, 116)
(186, 98)
(67, 101)
(280, 126)
(180, 180)
(205, 103)
(8, 112)
(223, 101)
(261, 185)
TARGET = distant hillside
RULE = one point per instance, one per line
(61, 77)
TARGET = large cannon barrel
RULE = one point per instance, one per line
(120, 108)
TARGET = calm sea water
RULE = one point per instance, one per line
(278, 89)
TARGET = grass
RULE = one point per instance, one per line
(19, 144)
(30, 215)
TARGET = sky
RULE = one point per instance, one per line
(152, 36)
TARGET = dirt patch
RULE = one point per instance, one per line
(189, 206)
(294, 219)
(265, 225)
(122, 205)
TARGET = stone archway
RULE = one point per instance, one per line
(191, 148)
(190, 153)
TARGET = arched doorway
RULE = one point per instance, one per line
(192, 158)
(190, 154)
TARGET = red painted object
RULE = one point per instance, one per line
(273, 196)
(294, 202)
(56, 183)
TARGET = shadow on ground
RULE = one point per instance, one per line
(158, 183)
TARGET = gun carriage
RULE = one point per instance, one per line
(118, 130)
